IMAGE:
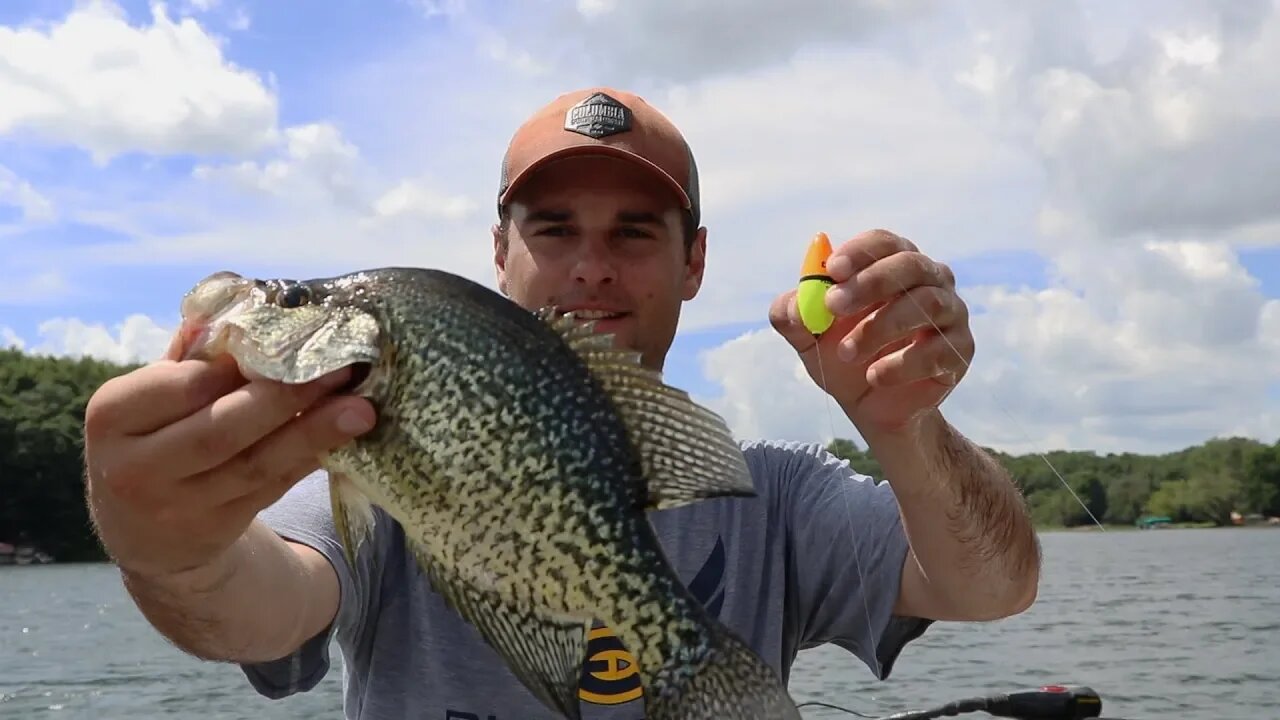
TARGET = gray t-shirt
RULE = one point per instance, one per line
(779, 569)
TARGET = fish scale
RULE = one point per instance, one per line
(520, 451)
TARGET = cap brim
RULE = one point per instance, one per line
(587, 149)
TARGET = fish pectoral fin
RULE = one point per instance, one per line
(352, 514)
(687, 451)
(543, 651)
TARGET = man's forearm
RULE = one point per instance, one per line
(965, 519)
(255, 603)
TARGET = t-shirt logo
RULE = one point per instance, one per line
(610, 675)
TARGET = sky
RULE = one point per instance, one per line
(1104, 179)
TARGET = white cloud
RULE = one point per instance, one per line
(766, 391)
(326, 241)
(1167, 126)
(138, 338)
(433, 8)
(314, 206)
(316, 164)
(240, 21)
(19, 193)
(501, 50)
(9, 338)
(419, 199)
(591, 9)
(720, 37)
(39, 287)
(94, 81)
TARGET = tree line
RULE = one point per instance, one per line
(42, 402)
(1202, 484)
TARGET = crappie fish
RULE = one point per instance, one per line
(520, 451)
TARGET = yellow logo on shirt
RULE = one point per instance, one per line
(610, 675)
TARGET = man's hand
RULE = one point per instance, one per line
(900, 341)
(179, 459)
(180, 456)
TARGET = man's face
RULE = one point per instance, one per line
(596, 233)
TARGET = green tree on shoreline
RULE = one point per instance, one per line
(42, 402)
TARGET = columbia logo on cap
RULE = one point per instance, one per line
(597, 116)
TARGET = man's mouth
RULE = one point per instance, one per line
(584, 314)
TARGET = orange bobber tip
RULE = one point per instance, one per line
(815, 258)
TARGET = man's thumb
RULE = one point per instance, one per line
(784, 316)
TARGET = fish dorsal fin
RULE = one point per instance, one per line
(544, 652)
(686, 450)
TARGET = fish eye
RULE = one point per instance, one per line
(293, 296)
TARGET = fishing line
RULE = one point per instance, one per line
(857, 552)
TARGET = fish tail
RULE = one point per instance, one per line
(721, 679)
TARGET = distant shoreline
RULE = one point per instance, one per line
(1122, 527)
(1055, 529)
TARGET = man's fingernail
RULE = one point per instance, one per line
(839, 298)
(352, 422)
(839, 266)
(847, 351)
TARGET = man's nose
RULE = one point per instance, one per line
(594, 265)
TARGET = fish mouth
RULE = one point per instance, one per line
(361, 382)
(210, 307)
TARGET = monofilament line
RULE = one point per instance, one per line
(857, 552)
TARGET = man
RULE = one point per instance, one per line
(194, 474)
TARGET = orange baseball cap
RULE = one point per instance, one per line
(602, 121)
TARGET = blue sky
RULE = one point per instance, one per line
(1040, 153)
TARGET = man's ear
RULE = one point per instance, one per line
(696, 265)
(499, 257)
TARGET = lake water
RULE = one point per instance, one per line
(1169, 624)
